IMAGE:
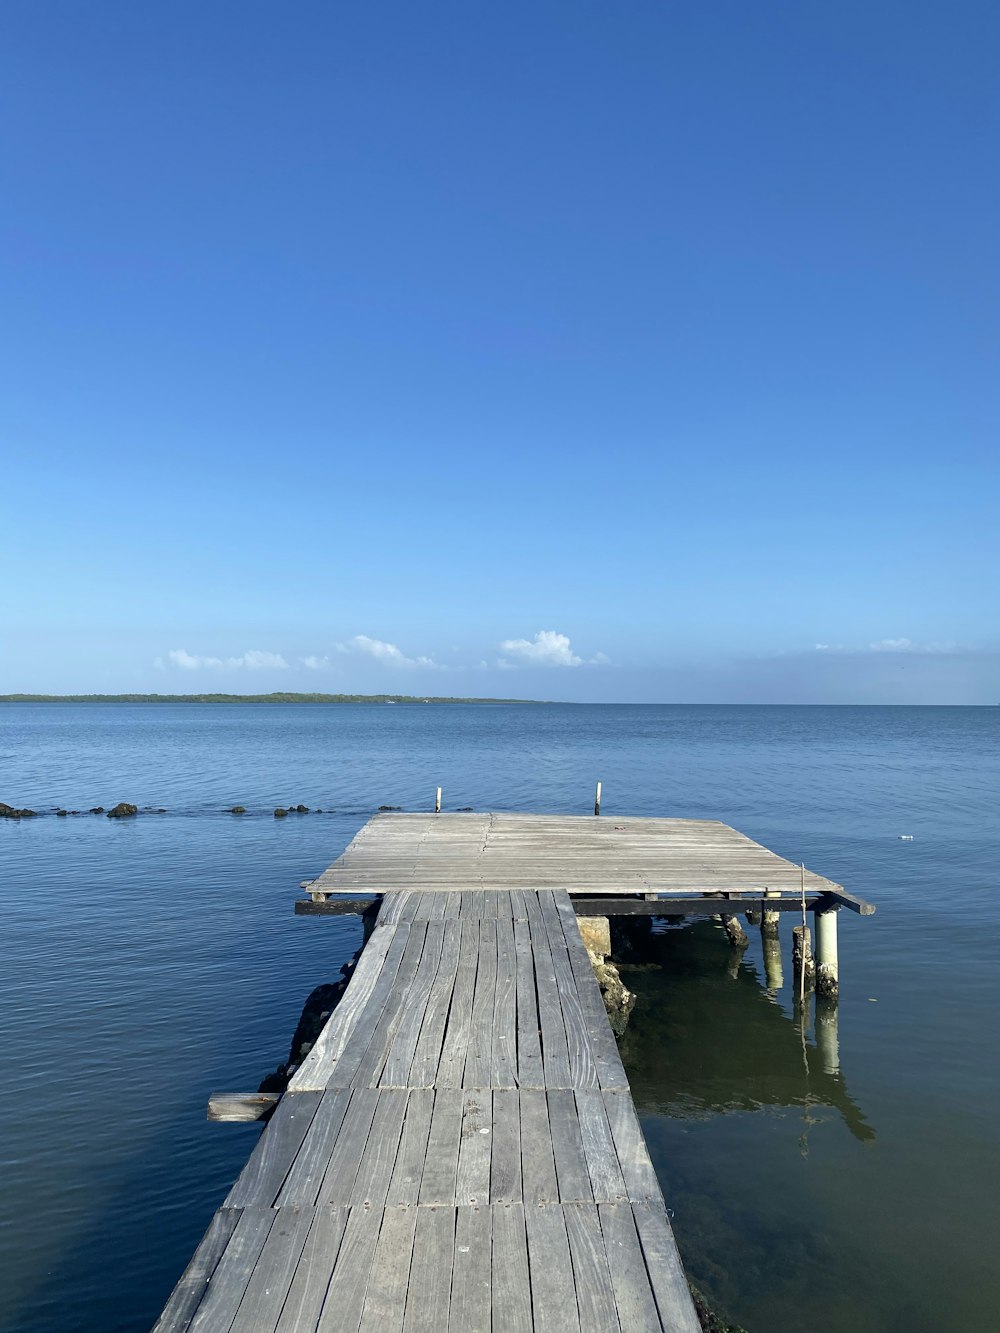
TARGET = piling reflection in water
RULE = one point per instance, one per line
(709, 1034)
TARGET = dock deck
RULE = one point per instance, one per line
(460, 1150)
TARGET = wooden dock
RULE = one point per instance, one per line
(459, 1150)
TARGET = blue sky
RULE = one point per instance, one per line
(562, 350)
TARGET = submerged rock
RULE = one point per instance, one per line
(9, 812)
(301, 809)
(62, 813)
(123, 810)
(281, 812)
(385, 809)
(237, 809)
(96, 810)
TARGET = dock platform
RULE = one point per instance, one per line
(460, 1150)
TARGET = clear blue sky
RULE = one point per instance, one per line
(355, 347)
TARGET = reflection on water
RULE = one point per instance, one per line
(708, 1037)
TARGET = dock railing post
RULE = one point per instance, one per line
(437, 802)
(597, 800)
(827, 975)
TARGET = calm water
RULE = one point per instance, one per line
(147, 962)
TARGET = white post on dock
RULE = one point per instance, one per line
(437, 802)
(597, 800)
(827, 974)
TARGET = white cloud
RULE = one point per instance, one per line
(891, 646)
(315, 663)
(252, 660)
(387, 653)
(547, 648)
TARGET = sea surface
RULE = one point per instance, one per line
(848, 1186)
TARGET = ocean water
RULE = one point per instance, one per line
(148, 962)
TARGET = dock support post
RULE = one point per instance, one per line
(803, 968)
(738, 937)
(437, 802)
(754, 916)
(597, 800)
(827, 975)
(769, 923)
(774, 977)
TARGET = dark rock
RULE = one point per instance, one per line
(237, 809)
(161, 810)
(465, 810)
(385, 809)
(96, 810)
(62, 813)
(8, 812)
(74, 812)
(280, 813)
(301, 809)
(123, 810)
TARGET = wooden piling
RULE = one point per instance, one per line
(803, 967)
(827, 975)
(738, 937)
(769, 919)
(774, 977)
(437, 802)
(597, 800)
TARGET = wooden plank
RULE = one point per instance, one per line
(240, 1108)
(604, 1049)
(630, 1146)
(478, 1063)
(504, 1056)
(186, 1295)
(345, 1296)
(606, 1178)
(454, 1052)
(334, 906)
(582, 1069)
(344, 1040)
(312, 1276)
(471, 1279)
(261, 1306)
(666, 1274)
(537, 1161)
(385, 1299)
(440, 1177)
(475, 1148)
(233, 1271)
(404, 1043)
(555, 1055)
(511, 1291)
(369, 1067)
(688, 905)
(572, 1175)
(404, 1184)
(429, 1294)
(529, 1046)
(261, 1179)
(341, 1173)
(629, 1278)
(301, 1185)
(591, 1277)
(430, 1043)
(375, 1172)
(553, 1296)
(505, 1164)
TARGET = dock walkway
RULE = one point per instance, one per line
(459, 1151)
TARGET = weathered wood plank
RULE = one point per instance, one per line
(582, 1069)
(240, 1108)
(606, 1178)
(345, 1296)
(604, 1049)
(190, 1289)
(478, 1063)
(338, 1181)
(385, 1299)
(503, 1064)
(472, 1275)
(312, 1276)
(430, 1043)
(511, 1291)
(370, 1066)
(375, 1171)
(233, 1271)
(537, 1161)
(264, 1174)
(404, 1042)
(529, 1046)
(475, 1148)
(301, 1185)
(505, 1164)
(261, 1306)
(553, 1295)
(594, 1292)
(404, 1185)
(440, 1176)
(670, 1288)
(429, 1294)
(555, 1055)
(630, 1146)
(572, 1174)
(629, 1279)
(454, 1052)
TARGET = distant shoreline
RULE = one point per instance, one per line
(277, 698)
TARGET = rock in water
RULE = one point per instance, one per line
(280, 813)
(237, 809)
(123, 811)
